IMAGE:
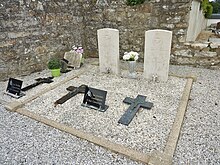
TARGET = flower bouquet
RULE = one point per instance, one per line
(131, 56)
(77, 49)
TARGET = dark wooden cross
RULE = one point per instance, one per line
(73, 91)
(39, 81)
(138, 102)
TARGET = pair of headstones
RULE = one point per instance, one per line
(156, 54)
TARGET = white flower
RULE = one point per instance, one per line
(77, 49)
(131, 56)
(74, 47)
(126, 57)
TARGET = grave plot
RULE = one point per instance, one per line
(32, 87)
(148, 130)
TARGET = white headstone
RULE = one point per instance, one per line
(157, 54)
(73, 58)
(108, 45)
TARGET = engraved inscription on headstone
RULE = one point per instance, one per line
(157, 54)
(108, 45)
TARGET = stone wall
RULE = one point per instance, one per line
(133, 21)
(32, 31)
(197, 51)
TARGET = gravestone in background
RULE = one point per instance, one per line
(157, 54)
(108, 45)
(73, 58)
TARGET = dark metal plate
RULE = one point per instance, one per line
(95, 99)
(14, 88)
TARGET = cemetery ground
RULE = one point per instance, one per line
(39, 133)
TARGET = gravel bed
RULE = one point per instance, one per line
(199, 141)
(25, 141)
(149, 129)
(30, 79)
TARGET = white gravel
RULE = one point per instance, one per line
(25, 141)
(148, 131)
(30, 79)
(199, 141)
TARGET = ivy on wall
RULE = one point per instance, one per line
(207, 8)
(134, 2)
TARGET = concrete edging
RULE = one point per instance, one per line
(166, 157)
(118, 148)
(156, 158)
(18, 104)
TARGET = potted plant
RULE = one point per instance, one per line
(54, 65)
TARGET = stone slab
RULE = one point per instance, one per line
(73, 58)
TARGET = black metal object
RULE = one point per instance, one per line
(14, 88)
(73, 91)
(95, 99)
(136, 103)
(64, 65)
(39, 81)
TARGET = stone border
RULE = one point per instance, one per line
(155, 158)
(18, 104)
(118, 148)
(166, 157)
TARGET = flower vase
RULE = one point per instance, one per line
(131, 69)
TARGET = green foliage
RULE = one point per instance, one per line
(54, 63)
(216, 7)
(134, 2)
(209, 11)
(207, 8)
